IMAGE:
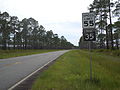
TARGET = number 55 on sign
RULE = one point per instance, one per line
(88, 20)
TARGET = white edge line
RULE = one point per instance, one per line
(11, 88)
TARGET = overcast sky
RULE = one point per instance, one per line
(64, 17)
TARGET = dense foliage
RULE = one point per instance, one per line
(107, 28)
(28, 34)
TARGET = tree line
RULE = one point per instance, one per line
(107, 29)
(28, 34)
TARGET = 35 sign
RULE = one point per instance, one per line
(88, 20)
(89, 36)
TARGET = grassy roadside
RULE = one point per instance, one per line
(71, 72)
(16, 53)
(115, 53)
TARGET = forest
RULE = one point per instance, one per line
(107, 20)
(28, 34)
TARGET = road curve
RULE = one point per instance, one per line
(13, 70)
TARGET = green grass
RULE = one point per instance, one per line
(15, 53)
(109, 52)
(71, 72)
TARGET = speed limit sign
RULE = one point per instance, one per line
(88, 24)
(89, 36)
(88, 20)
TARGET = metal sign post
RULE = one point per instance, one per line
(88, 24)
(90, 60)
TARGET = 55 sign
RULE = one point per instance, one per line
(88, 20)
(88, 24)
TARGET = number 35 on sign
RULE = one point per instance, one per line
(89, 36)
(88, 20)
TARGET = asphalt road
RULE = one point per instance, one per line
(12, 70)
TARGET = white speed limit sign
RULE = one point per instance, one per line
(88, 20)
